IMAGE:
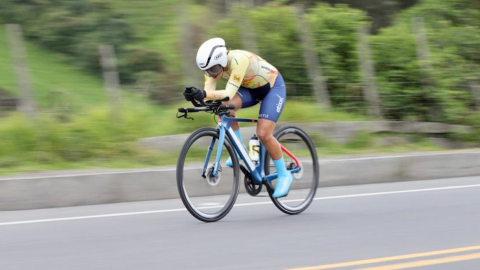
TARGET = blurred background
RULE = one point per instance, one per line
(82, 81)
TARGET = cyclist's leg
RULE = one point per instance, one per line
(271, 109)
(237, 102)
(242, 99)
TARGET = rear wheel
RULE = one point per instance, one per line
(305, 182)
(208, 198)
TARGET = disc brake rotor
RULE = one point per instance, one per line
(211, 179)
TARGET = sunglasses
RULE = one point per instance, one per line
(214, 71)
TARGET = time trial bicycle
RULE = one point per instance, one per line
(209, 189)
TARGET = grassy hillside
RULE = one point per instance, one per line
(56, 80)
(158, 24)
(51, 75)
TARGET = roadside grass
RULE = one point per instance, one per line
(92, 141)
(364, 143)
(148, 158)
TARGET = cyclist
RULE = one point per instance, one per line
(250, 80)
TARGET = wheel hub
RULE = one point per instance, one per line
(213, 180)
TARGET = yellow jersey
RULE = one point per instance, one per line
(244, 69)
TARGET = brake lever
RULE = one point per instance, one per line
(184, 115)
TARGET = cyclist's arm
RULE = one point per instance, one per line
(239, 68)
(210, 83)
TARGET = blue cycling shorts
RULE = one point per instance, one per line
(272, 99)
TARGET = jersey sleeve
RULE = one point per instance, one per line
(210, 83)
(239, 65)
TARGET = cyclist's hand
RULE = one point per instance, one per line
(192, 93)
(188, 93)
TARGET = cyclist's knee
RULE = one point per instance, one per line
(265, 130)
(264, 135)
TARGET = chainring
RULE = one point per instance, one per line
(251, 188)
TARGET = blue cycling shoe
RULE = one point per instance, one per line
(283, 185)
(229, 162)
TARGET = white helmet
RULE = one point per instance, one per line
(212, 52)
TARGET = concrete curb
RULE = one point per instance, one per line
(33, 192)
(340, 132)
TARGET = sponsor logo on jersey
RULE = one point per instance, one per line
(218, 55)
(217, 96)
(237, 78)
(279, 104)
(263, 115)
(234, 84)
(267, 68)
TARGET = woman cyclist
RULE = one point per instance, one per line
(250, 80)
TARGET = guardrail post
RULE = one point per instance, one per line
(314, 68)
(423, 54)
(22, 72)
(475, 88)
(111, 78)
(249, 40)
(368, 72)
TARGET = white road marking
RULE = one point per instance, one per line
(236, 205)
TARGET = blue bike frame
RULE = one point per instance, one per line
(257, 171)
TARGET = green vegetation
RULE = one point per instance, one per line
(443, 93)
(148, 36)
(55, 81)
(364, 143)
(74, 29)
(75, 130)
(334, 32)
(92, 140)
(408, 91)
(336, 46)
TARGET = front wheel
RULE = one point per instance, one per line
(305, 182)
(207, 196)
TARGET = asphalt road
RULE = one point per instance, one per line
(381, 226)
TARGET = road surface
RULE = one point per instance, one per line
(431, 224)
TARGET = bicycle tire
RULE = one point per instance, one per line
(206, 132)
(315, 175)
